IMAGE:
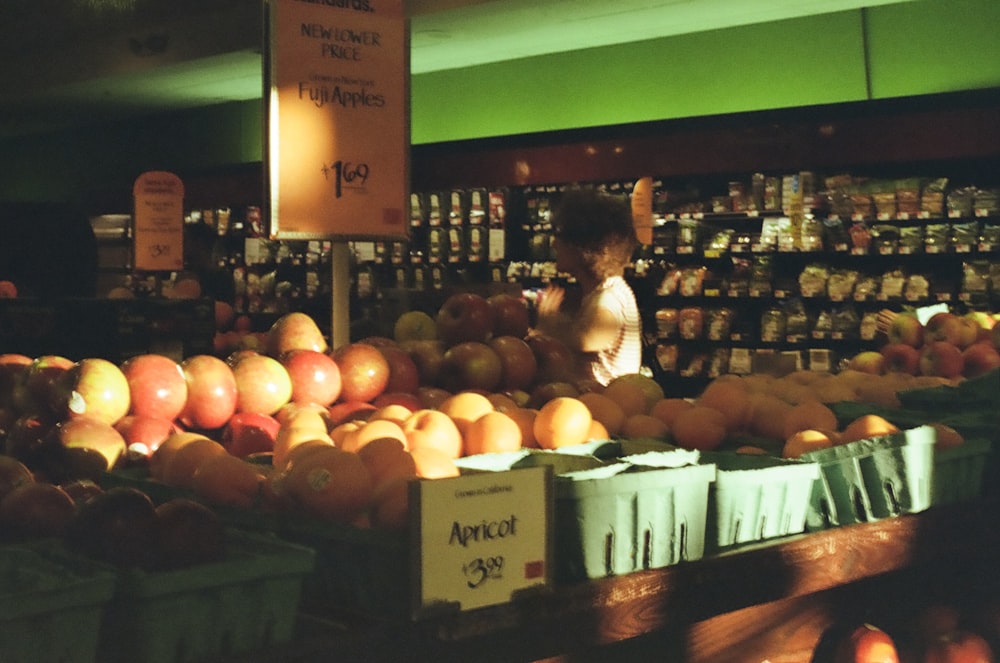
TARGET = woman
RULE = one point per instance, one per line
(593, 240)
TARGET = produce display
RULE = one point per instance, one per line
(294, 426)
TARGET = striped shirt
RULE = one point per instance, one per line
(624, 356)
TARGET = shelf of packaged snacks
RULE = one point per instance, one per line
(782, 601)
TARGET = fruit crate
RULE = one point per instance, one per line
(50, 611)
(871, 479)
(755, 498)
(613, 517)
(245, 603)
(960, 472)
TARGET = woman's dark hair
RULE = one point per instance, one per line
(600, 226)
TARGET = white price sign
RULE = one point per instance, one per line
(481, 537)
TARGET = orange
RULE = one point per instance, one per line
(289, 437)
(629, 396)
(767, 415)
(493, 432)
(161, 457)
(391, 507)
(808, 439)
(750, 450)
(563, 421)
(394, 412)
(809, 414)
(702, 428)
(867, 426)
(387, 459)
(644, 425)
(598, 431)
(524, 417)
(666, 409)
(433, 463)
(228, 480)
(331, 483)
(502, 402)
(356, 439)
(433, 428)
(605, 410)
(180, 468)
(947, 437)
(729, 397)
(465, 407)
(650, 387)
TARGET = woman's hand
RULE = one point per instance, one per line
(549, 301)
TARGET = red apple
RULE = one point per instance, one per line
(378, 341)
(81, 490)
(404, 376)
(364, 372)
(8, 290)
(243, 323)
(96, 445)
(979, 358)
(315, 376)
(968, 331)
(431, 397)
(35, 392)
(510, 315)
(407, 399)
(901, 358)
(868, 361)
(117, 526)
(249, 432)
(294, 331)
(906, 328)
(555, 360)
(28, 441)
(35, 510)
(212, 392)
(866, 644)
(13, 366)
(225, 314)
(262, 383)
(464, 316)
(517, 361)
(94, 388)
(13, 473)
(961, 646)
(943, 326)
(343, 411)
(471, 365)
(941, 359)
(143, 434)
(428, 356)
(156, 385)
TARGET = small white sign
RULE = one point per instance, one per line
(481, 537)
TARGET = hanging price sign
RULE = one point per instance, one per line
(158, 234)
(482, 537)
(337, 118)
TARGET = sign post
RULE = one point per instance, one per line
(337, 114)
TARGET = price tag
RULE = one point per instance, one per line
(159, 222)
(482, 537)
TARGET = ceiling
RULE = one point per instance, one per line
(66, 63)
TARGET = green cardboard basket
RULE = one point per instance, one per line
(959, 472)
(871, 479)
(50, 611)
(755, 498)
(245, 603)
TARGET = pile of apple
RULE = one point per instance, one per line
(949, 345)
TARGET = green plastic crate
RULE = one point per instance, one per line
(245, 603)
(50, 611)
(755, 498)
(872, 479)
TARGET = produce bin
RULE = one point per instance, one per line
(755, 498)
(613, 517)
(959, 472)
(871, 479)
(245, 603)
(50, 611)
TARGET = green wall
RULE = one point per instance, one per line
(913, 48)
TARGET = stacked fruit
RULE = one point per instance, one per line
(948, 345)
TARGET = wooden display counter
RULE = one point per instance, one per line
(779, 602)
